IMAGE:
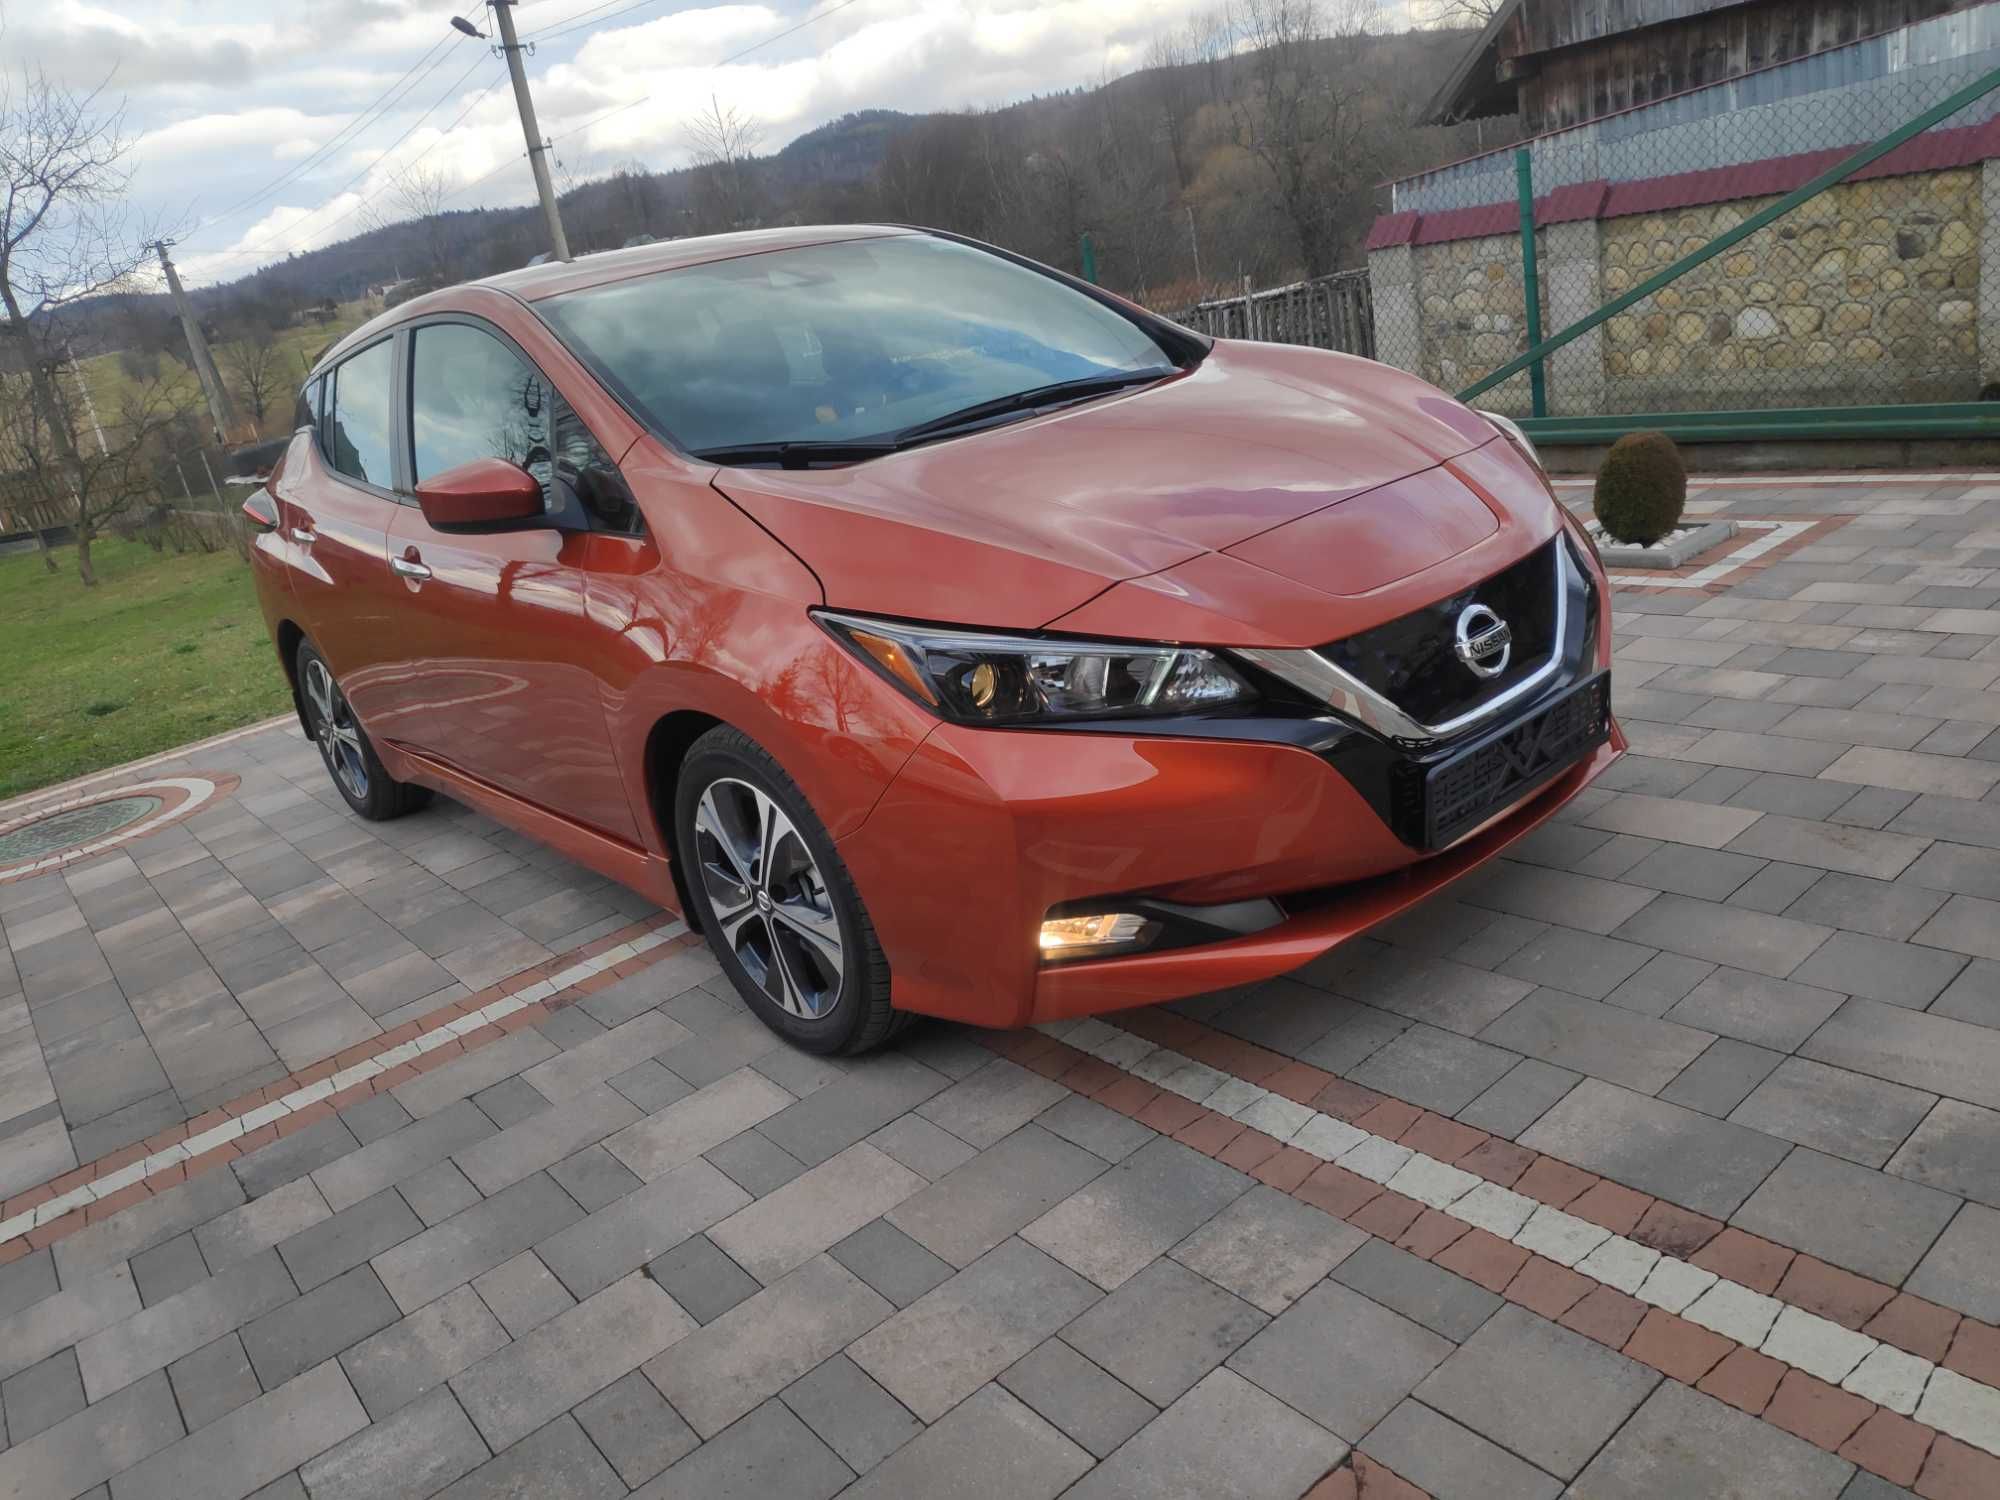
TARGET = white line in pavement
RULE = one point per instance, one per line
(346, 1078)
(1904, 1383)
(1754, 481)
(1780, 532)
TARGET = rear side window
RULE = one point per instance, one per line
(358, 443)
(471, 396)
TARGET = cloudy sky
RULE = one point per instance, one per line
(257, 128)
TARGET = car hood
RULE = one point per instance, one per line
(1017, 526)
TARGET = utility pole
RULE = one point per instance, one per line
(538, 149)
(90, 406)
(219, 408)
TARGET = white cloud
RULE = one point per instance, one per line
(259, 129)
(225, 95)
(679, 38)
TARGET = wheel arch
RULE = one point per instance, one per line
(667, 745)
(288, 637)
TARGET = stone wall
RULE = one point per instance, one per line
(1868, 293)
(1471, 316)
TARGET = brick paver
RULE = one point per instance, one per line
(1732, 1016)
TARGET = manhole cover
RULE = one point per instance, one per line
(79, 825)
(40, 840)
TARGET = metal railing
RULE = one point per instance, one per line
(1329, 312)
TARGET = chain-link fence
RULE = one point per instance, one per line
(195, 506)
(1879, 290)
(1882, 289)
(1329, 312)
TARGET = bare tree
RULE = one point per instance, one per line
(1304, 112)
(634, 199)
(723, 140)
(1447, 14)
(1211, 36)
(92, 484)
(253, 365)
(62, 239)
(1170, 60)
(416, 195)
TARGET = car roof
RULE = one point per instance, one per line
(532, 283)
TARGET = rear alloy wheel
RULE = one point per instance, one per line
(350, 760)
(779, 908)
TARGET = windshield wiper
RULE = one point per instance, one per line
(1030, 400)
(803, 453)
(798, 454)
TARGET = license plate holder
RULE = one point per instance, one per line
(1504, 765)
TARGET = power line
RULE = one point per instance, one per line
(723, 63)
(486, 176)
(288, 230)
(578, 22)
(368, 116)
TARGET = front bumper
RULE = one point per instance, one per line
(985, 831)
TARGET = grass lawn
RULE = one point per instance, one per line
(164, 650)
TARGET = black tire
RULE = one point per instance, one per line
(351, 760)
(726, 769)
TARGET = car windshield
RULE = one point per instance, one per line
(848, 342)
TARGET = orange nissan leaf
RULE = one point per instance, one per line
(939, 634)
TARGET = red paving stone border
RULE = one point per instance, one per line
(1909, 1323)
(299, 1119)
(1896, 1448)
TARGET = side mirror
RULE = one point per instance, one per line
(261, 511)
(485, 494)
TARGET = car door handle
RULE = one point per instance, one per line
(305, 536)
(409, 567)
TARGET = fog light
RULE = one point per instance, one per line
(1063, 937)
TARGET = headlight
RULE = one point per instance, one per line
(977, 678)
(1511, 430)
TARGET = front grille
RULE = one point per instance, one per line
(1410, 660)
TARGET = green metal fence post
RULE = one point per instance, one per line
(1531, 287)
(1839, 172)
(1089, 256)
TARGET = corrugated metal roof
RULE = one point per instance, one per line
(1934, 151)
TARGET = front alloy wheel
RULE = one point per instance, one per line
(768, 898)
(768, 888)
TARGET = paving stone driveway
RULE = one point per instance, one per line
(262, 934)
(1754, 975)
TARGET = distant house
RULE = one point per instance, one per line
(1652, 126)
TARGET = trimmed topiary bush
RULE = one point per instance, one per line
(1641, 488)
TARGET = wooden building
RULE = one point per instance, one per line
(1560, 63)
